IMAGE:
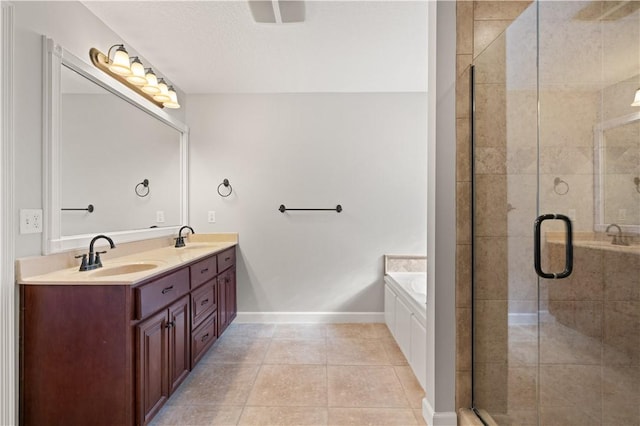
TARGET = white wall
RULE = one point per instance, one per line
(74, 27)
(439, 403)
(366, 152)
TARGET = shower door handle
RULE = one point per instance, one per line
(568, 266)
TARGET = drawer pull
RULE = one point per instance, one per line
(226, 259)
(167, 289)
(205, 337)
(204, 302)
(204, 271)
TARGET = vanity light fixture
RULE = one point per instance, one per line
(132, 73)
(173, 103)
(163, 96)
(636, 99)
(137, 76)
(151, 86)
(120, 62)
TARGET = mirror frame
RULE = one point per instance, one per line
(55, 57)
(598, 158)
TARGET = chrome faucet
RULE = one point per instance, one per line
(618, 239)
(94, 261)
(180, 239)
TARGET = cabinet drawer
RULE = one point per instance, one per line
(203, 302)
(226, 258)
(152, 296)
(203, 271)
(202, 338)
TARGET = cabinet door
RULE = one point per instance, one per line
(179, 349)
(152, 366)
(232, 307)
(222, 303)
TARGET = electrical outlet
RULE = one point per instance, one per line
(30, 221)
(622, 215)
(160, 216)
(211, 216)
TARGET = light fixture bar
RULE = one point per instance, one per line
(276, 11)
(101, 62)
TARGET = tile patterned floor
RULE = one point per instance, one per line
(299, 374)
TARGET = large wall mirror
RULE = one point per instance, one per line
(115, 163)
(617, 144)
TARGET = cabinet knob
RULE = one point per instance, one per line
(170, 324)
(204, 302)
(205, 337)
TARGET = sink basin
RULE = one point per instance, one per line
(129, 268)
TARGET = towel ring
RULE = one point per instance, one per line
(140, 192)
(226, 184)
(560, 187)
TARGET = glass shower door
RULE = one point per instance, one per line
(589, 329)
(555, 134)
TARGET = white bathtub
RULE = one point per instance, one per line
(405, 311)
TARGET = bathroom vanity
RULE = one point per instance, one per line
(110, 346)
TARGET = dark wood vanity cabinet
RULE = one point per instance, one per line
(163, 358)
(227, 307)
(227, 296)
(113, 354)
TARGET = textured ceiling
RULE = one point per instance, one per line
(216, 47)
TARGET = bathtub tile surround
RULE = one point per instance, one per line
(404, 263)
(295, 375)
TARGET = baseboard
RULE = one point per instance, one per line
(444, 418)
(309, 317)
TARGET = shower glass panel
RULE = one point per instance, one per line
(555, 133)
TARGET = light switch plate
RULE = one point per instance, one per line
(160, 216)
(30, 221)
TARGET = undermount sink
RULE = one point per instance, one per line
(129, 268)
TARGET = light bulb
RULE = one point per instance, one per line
(173, 103)
(151, 86)
(163, 96)
(137, 76)
(636, 99)
(120, 63)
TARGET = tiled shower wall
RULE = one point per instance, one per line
(479, 23)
